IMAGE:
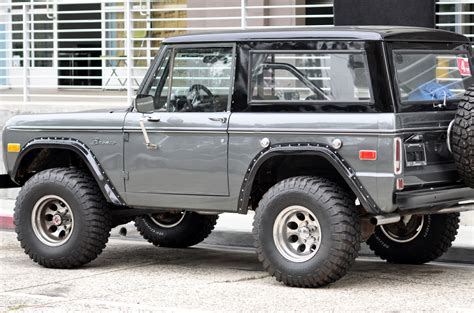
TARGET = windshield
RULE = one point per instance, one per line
(433, 79)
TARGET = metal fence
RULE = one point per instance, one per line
(77, 52)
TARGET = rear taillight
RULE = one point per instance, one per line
(397, 158)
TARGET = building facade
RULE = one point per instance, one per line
(70, 55)
(86, 52)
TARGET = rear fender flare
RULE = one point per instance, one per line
(323, 150)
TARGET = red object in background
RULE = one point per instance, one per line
(6, 222)
(368, 155)
(463, 66)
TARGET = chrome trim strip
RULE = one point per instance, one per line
(178, 130)
(333, 131)
(66, 129)
(312, 132)
(380, 132)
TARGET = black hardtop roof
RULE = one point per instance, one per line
(388, 33)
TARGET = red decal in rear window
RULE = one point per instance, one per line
(463, 66)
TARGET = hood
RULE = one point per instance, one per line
(96, 119)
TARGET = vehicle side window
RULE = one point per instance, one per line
(159, 86)
(309, 77)
(201, 80)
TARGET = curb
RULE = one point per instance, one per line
(6, 222)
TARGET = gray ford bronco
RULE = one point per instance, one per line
(332, 136)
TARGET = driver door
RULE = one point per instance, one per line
(191, 91)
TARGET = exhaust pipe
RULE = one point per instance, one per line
(385, 219)
(396, 217)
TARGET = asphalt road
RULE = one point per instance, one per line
(135, 276)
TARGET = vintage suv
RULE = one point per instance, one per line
(333, 136)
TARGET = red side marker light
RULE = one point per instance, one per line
(368, 155)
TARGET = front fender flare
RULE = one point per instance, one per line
(322, 150)
(82, 151)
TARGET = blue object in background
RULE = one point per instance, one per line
(430, 91)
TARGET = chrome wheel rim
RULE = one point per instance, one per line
(404, 231)
(297, 233)
(167, 219)
(52, 220)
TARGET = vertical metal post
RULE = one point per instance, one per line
(243, 14)
(458, 18)
(103, 43)
(26, 53)
(149, 26)
(128, 48)
(9, 46)
(55, 64)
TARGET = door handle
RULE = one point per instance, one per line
(148, 144)
(153, 117)
(218, 119)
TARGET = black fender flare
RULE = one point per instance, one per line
(83, 151)
(322, 150)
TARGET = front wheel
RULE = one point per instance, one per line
(416, 239)
(62, 219)
(175, 230)
(306, 231)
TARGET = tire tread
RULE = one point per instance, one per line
(344, 219)
(97, 217)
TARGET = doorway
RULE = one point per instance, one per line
(79, 45)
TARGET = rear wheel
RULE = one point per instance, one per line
(306, 231)
(415, 240)
(62, 219)
(175, 230)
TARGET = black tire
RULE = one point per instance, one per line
(90, 225)
(434, 237)
(192, 229)
(339, 225)
(462, 138)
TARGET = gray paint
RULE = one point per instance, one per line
(189, 168)
(200, 163)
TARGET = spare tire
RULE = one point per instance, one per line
(461, 137)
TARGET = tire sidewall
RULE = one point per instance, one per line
(191, 230)
(416, 245)
(265, 233)
(164, 233)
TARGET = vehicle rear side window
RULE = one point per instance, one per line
(433, 79)
(309, 77)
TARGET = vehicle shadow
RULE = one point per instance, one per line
(207, 258)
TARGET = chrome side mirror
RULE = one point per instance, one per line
(144, 104)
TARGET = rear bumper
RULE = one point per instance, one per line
(435, 198)
(7, 182)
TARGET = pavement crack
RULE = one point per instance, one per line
(240, 279)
